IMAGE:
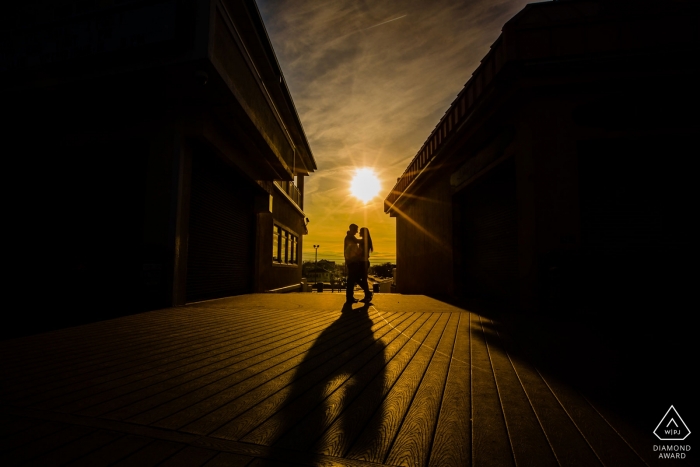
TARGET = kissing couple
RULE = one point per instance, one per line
(357, 252)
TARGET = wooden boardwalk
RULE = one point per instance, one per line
(296, 379)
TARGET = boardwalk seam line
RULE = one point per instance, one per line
(444, 389)
(382, 369)
(355, 332)
(349, 376)
(413, 396)
(498, 391)
(471, 393)
(369, 418)
(570, 417)
(421, 343)
(187, 439)
(225, 376)
(614, 429)
(530, 402)
(347, 340)
(149, 385)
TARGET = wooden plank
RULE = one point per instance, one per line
(164, 399)
(94, 402)
(490, 441)
(610, 447)
(190, 457)
(331, 428)
(43, 445)
(97, 346)
(127, 351)
(76, 449)
(640, 442)
(528, 441)
(226, 459)
(412, 444)
(295, 429)
(131, 329)
(11, 424)
(452, 440)
(271, 463)
(293, 457)
(152, 454)
(291, 403)
(32, 433)
(310, 381)
(112, 452)
(569, 445)
(313, 353)
(84, 384)
(375, 441)
(61, 376)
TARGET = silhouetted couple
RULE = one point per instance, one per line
(357, 252)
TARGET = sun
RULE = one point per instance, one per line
(365, 185)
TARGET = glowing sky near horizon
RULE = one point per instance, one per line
(370, 80)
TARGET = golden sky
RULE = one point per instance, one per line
(370, 80)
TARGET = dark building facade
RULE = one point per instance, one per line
(157, 156)
(561, 172)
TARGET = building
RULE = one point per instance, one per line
(157, 153)
(321, 271)
(561, 172)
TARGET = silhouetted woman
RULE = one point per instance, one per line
(366, 248)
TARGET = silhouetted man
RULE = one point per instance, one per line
(353, 261)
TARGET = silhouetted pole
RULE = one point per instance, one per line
(316, 263)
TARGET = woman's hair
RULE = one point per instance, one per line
(366, 239)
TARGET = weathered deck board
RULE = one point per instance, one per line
(190, 457)
(297, 379)
(452, 441)
(374, 445)
(412, 443)
(358, 417)
(268, 366)
(75, 450)
(35, 448)
(306, 380)
(108, 369)
(570, 447)
(608, 445)
(152, 454)
(528, 440)
(177, 350)
(292, 427)
(165, 399)
(226, 459)
(113, 452)
(490, 438)
(171, 375)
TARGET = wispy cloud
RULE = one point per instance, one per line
(370, 81)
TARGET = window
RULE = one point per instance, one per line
(284, 246)
(276, 244)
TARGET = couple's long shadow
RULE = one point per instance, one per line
(337, 388)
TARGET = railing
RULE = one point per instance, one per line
(291, 190)
(453, 117)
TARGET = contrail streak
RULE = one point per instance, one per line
(364, 29)
(389, 21)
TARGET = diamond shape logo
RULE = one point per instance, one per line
(671, 427)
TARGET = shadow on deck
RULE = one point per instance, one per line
(302, 379)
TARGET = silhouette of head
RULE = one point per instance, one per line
(353, 229)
